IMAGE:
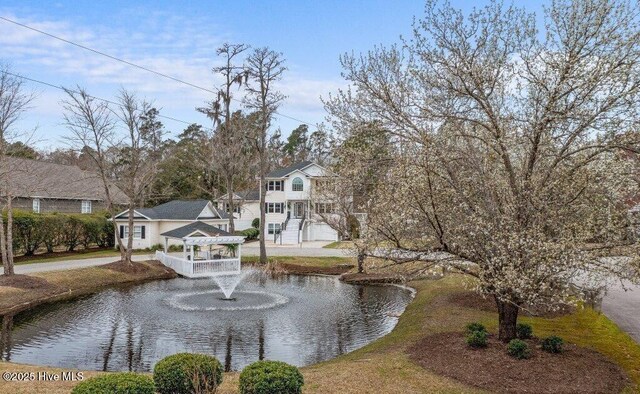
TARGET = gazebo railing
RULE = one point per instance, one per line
(198, 268)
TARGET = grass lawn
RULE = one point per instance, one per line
(339, 245)
(384, 367)
(324, 261)
(79, 255)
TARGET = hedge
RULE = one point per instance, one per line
(186, 373)
(32, 231)
(116, 383)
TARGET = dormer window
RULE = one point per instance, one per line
(297, 185)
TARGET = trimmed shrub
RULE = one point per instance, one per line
(519, 349)
(116, 383)
(473, 327)
(186, 373)
(250, 233)
(72, 232)
(524, 331)
(271, 377)
(477, 339)
(27, 229)
(552, 344)
(52, 225)
(255, 223)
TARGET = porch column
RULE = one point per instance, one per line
(184, 249)
(166, 245)
(239, 256)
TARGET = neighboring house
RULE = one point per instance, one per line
(43, 187)
(246, 207)
(151, 225)
(291, 212)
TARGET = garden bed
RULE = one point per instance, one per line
(24, 292)
(575, 370)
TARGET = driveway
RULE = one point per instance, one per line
(311, 249)
(623, 307)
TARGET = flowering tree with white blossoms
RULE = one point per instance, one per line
(508, 144)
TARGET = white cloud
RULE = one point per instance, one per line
(180, 47)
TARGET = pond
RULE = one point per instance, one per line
(297, 319)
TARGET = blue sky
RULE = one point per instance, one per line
(179, 38)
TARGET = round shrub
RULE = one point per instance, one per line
(519, 349)
(477, 339)
(186, 373)
(524, 331)
(552, 344)
(270, 377)
(116, 383)
(473, 327)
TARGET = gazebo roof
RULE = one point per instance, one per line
(206, 230)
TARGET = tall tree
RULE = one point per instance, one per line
(14, 102)
(504, 138)
(227, 132)
(265, 67)
(117, 143)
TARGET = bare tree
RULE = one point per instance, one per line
(265, 67)
(227, 150)
(504, 141)
(122, 155)
(14, 101)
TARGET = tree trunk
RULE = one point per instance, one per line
(3, 241)
(126, 257)
(8, 264)
(232, 225)
(263, 218)
(360, 263)
(507, 320)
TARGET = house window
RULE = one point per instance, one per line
(222, 227)
(275, 185)
(297, 185)
(86, 206)
(36, 205)
(274, 207)
(324, 207)
(236, 208)
(138, 232)
(273, 228)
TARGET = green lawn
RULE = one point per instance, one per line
(80, 255)
(301, 260)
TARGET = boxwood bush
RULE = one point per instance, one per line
(477, 339)
(519, 349)
(186, 373)
(116, 383)
(552, 344)
(524, 331)
(473, 327)
(271, 377)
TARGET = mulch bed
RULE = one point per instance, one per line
(470, 299)
(576, 370)
(24, 282)
(365, 279)
(133, 268)
(308, 269)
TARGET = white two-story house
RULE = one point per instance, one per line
(291, 205)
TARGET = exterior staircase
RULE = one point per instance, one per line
(290, 235)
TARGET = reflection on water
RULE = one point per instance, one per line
(130, 329)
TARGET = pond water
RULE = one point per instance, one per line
(297, 319)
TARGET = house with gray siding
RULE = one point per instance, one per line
(44, 187)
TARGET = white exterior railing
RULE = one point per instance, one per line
(199, 268)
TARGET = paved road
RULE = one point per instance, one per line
(251, 249)
(623, 307)
(70, 264)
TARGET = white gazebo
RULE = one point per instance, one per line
(206, 251)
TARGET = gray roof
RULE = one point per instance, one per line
(33, 178)
(246, 195)
(282, 172)
(178, 210)
(187, 230)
